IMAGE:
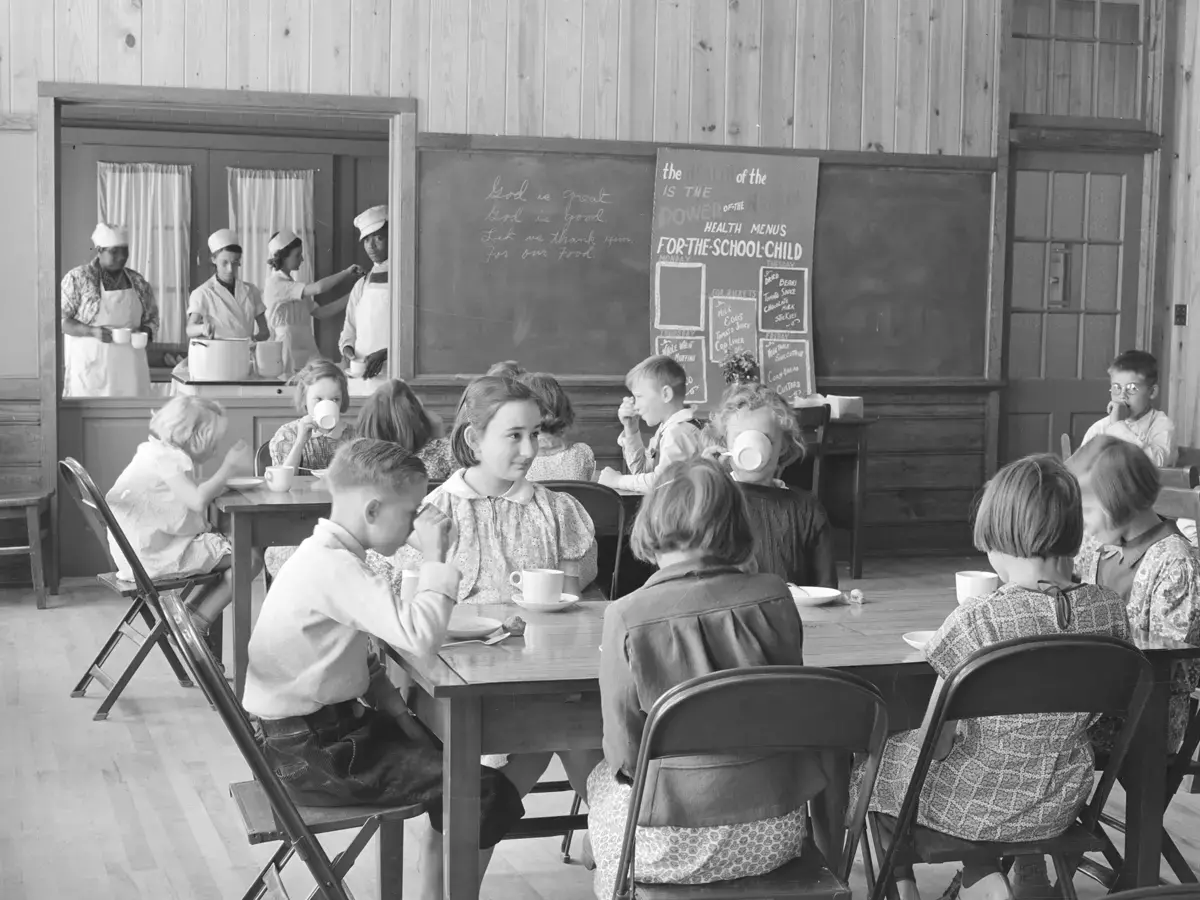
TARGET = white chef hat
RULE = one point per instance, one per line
(282, 238)
(371, 220)
(222, 238)
(107, 235)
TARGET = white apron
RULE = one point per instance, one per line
(92, 368)
(373, 325)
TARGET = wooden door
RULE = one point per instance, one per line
(1072, 292)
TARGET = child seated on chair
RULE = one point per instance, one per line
(308, 667)
(1009, 778)
(558, 459)
(659, 386)
(792, 535)
(1131, 413)
(394, 413)
(162, 506)
(709, 818)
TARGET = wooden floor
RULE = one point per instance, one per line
(138, 806)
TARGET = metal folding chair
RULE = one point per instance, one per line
(604, 505)
(1166, 892)
(269, 814)
(144, 609)
(827, 711)
(1047, 674)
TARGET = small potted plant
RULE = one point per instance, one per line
(740, 368)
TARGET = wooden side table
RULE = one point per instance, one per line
(30, 507)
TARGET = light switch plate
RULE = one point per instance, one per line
(1180, 313)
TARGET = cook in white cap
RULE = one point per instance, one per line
(368, 326)
(292, 305)
(225, 307)
(97, 298)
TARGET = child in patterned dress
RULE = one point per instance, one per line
(394, 413)
(557, 459)
(1030, 524)
(161, 505)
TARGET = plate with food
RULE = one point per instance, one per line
(814, 596)
(244, 482)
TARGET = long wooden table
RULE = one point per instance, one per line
(541, 692)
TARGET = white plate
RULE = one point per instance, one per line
(468, 629)
(317, 473)
(814, 596)
(566, 601)
(918, 639)
(244, 482)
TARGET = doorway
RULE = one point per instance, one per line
(1073, 291)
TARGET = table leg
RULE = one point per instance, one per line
(1144, 777)
(460, 801)
(240, 537)
(860, 487)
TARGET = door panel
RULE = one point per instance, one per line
(1072, 303)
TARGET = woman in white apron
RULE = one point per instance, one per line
(292, 305)
(97, 298)
(368, 327)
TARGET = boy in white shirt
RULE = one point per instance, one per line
(659, 386)
(309, 666)
(1131, 416)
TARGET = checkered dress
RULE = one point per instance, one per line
(1009, 778)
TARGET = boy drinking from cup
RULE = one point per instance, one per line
(1131, 417)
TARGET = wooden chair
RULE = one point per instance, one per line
(814, 421)
(267, 811)
(262, 459)
(143, 592)
(607, 510)
(30, 507)
(1065, 446)
(1187, 456)
(1180, 477)
(828, 711)
(1047, 674)
(1178, 503)
(1165, 892)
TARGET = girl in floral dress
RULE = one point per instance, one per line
(558, 459)
(1009, 778)
(394, 413)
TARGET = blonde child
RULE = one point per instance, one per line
(302, 443)
(659, 386)
(793, 537)
(309, 676)
(161, 503)
(394, 413)
(1030, 524)
(693, 526)
(557, 459)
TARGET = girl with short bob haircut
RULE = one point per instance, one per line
(716, 818)
(558, 459)
(302, 443)
(793, 536)
(1030, 525)
(394, 413)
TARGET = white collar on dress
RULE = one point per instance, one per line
(521, 491)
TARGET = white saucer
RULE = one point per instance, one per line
(566, 601)
(918, 639)
(244, 482)
(814, 596)
(472, 627)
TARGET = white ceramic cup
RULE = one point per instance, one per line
(539, 585)
(751, 451)
(975, 584)
(139, 339)
(279, 478)
(121, 335)
(326, 414)
(358, 367)
(408, 584)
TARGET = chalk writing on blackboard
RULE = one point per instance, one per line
(786, 365)
(783, 300)
(731, 327)
(688, 352)
(679, 295)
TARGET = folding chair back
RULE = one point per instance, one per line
(262, 458)
(1162, 892)
(81, 487)
(1065, 445)
(1083, 674)
(1178, 503)
(607, 510)
(826, 710)
(288, 818)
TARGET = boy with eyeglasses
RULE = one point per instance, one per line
(1131, 415)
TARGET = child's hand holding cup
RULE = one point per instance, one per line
(238, 457)
(628, 414)
(1117, 411)
(434, 533)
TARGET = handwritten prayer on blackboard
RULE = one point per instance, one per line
(732, 242)
(783, 300)
(786, 366)
(689, 353)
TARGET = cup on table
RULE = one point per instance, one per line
(121, 335)
(751, 451)
(358, 367)
(326, 414)
(539, 585)
(975, 584)
(138, 340)
(279, 478)
(408, 584)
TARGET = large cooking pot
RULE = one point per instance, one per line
(210, 359)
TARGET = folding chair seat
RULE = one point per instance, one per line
(828, 711)
(1039, 675)
(1165, 892)
(269, 814)
(142, 624)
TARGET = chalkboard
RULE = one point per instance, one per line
(689, 352)
(785, 365)
(783, 303)
(539, 257)
(732, 327)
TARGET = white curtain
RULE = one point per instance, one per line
(264, 201)
(155, 203)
